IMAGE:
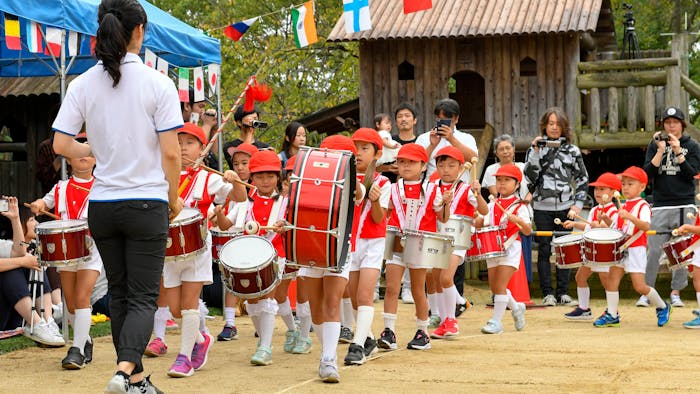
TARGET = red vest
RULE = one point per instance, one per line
(511, 204)
(186, 195)
(464, 207)
(630, 207)
(260, 212)
(610, 209)
(429, 220)
(76, 197)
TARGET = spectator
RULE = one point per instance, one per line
(294, 138)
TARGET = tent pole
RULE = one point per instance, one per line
(218, 115)
(62, 81)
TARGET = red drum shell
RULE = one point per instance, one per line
(249, 266)
(63, 242)
(186, 235)
(673, 250)
(601, 247)
(568, 252)
(487, 243)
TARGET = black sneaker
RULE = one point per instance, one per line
(387, 340)
(346, 335)
(370, 346)
(356, 355)
(460, 309)
(74, 359)
(420, 341)
(144, 387)
(87, 350)
(227, 334)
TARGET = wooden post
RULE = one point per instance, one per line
(673, 75)
(594, 115)
(679, 50)
(631, 108)
(573, 95)
(649, 108)
(612, 110)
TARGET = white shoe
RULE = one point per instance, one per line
(643, 302)
(676, 301)
(567, 300)
(492, 327)
(519, 316)
(549, 300)
(406, 296)
(44, 334)
(328, 371)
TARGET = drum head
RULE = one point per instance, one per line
(603, 234)
(566, 239)
(246, 252)
(52, 226)
(187, 215)
(233, 231)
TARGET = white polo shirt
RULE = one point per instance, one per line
(122, 125)
(464, 138)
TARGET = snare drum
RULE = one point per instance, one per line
(488, 243)
(186, 235)
(219, 239)
(567, 251)
(601, 247)
(392, 243)
(63, 242)
(460, 228)
(249, 266)
(321, 189)
(673, 250)
(423, 248)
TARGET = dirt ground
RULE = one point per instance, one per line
(549, 355)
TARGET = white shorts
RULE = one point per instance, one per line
(696, 259)
(636, 260)
(398, 260)
(511, 259)
(93, 263)
(317, 273)
(369, 253)
(459, 252)
(598, 268)
(195, 268)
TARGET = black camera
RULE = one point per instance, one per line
(259, 124)
(550, 143)
(662, 137)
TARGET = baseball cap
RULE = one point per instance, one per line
(245, 147)
(290, 163)
(365, 134)
(452, 152)
(339, 142)
(265, 161)
(510, 170)
(608, 179)
(195, 131)
(637, 173)
(413, 152)
(674, 112)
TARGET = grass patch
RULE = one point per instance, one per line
(21, 342)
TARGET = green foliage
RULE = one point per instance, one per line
(303, 80)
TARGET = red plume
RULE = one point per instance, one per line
(256, 92)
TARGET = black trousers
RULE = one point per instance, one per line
(544, 221)
(131, 237)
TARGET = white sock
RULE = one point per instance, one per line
(304, 314)
(81, 329)
(500, 301)
(331, 332)
(511, 301)
(406, 281)
(230, 316)
(613, 298)
(441, 305)
(365, 314)
(285, 312)
(655, 299)
(268, 310)
(190, 323)
(433, 304)
(697, 296)
(347, 316)
(460, 299)
(203, 312)
(159, 320)
(450, 296)
(389, 321)
(422, 325)
(584, 297)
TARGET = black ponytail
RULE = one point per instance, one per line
(117, 20)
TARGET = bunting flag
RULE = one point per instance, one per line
(150, 58)
(73, 43)
(198, 74)
(356, 14)
(213, 74)
(416, 5)
(304, 25)
(53, 41)
(238, 29)
(162, 66)
(12, 37)
(34, 37)
(183, 84)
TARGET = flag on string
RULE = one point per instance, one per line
(53, 41)
(12, 40)
(356, 14)
(34, 37)
(183, 84)
(213, 74)
(304, 25)
(238, 29)
(73, 43)
(198, 74)
(416, 5)
(150, 58)
(162, 66)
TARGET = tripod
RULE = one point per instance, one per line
(630, 44)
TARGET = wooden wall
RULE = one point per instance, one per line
(514, 104)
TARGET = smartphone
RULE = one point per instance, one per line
(194, 117)
(441, 122)
(4, 205)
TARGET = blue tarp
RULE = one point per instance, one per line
(173, 40)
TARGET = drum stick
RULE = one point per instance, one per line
(543, 233)
(617, 200)
(558, 221)
(85, 189)
(492, 198)
(472, 173)
(43, 212)
(467, 167)
(209, 169)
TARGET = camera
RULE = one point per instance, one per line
(4, 205)
(259, 124)
(550, 143)
(442, 122)
(662, 137)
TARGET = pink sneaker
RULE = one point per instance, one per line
(181, 368)
(200, 352)
(171, 324)
(156, 348)
(439, 332)
(450, 327)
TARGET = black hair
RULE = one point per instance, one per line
(448, 107)
(381, 116)
(117, 20)
(240, 113)
(407, 106)
(278, 187)
(291, 133)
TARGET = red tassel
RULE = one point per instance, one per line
(249, 104)
(259, 93)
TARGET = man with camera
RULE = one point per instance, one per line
(248, 122)
(672, 159)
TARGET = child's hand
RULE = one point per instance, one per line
(30, 261)
(447, 196)
(231, 176)
(374, 192)
(624, 214)
(569, 224)
(280, 227)
(476, 186)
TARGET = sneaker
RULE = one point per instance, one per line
(74, 359)
(663, 315)
(156, 348)
(406, 296)
(227, 334)
(492, 327)
(695, 323)
(439, 332)
(57, 312)
(54, 329)
(87, 350)
(549, 300)
(171, 324)
(566, 300)
(420, 341)
(519, 316)
(346, 335)
(460, 309)
(262, 356)
(676, 301)
(181, 368)
(356, 355)
(290, 339)
(643, 302)
(376, 295)
(118, 384)
(607, 320)
(387, 340)
(370, 346)
(434, 322)
(43, 334)
(200, 351)
(450, 327)
(328, 371)
(144, 387)
(579, 314)
(302, 346)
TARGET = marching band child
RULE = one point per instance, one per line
(413, 206)
(695, 262)
(69, 201)
(369, 231)
(633, 219)
(602, 215)
(461, 199)
(509, 211)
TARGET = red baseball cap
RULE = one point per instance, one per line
(434, 177)
(450, 151)
(413, 152)
(245, 147)
(510, 170)
(339, 142)
(608, 179)
(365, 134)
(195, 131)
(290, 163)
(637, 173)
(264, 161)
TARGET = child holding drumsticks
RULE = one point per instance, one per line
(602, 215)
(695, 230)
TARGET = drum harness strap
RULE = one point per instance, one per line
(415, 208)
(366, 207)
(511, 209)
(461, 189)
(627, 228)
(272, 219)
(62, 201)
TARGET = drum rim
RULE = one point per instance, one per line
(429, 234)
(578, 238)
(246, 296)
(603, 230)
(43, 228)
(490, 228)
(274, 256)
(171, 259)
(63, 263)
(215, 232)
(187, 220)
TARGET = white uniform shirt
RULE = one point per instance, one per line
(464, 138)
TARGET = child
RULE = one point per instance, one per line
(602, 215)
(266, 206)
(69, 201)
(382, 123)
(183, 279)
(516, 219)
(463, 200)
(413, 207)
(633, 219)
(695, 230)
(368, 231)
